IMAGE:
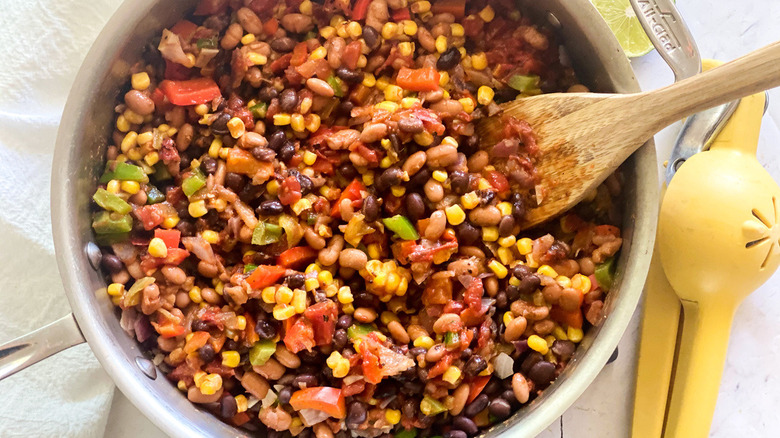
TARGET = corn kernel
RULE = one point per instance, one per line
(488, 14)
(272, 187)
(538, 344)
(306, 7)
(444, 78)
(455, 214)
(485, 95)
(152, 158)
(283, 311)
(368, 178)
(197, 209)
(134, 154)
(131, 187)
(210, 236)
(248, 39)
(531, 261)
(525, 246)
(336, 20)
(505, 208)
(470, 200)
(312, 268)
(489, 234)
(389, 30)
(574, 334)
(409, 102)
(507, 318)
(299, 300)
(210, 384)
(382, 82)
(333, 359)
(230, 358)
(309, 158)
(140, 81)
(439, 175)
(424, 138)
(559, 333)
(505, 255)
(457, 30)
(398, 191)
(284, 295)
(297, 123)
(312, 122)
(215, 146)
(327, 32)
(354, 29)
(550, 339)
(341, 369)
(514, 281)
(452, 375)
(394, 93)
(385, 162)
(201, 109)
(564, 281)
(132, 117)
(373, 251)
(479, 61)
(301, 205)
(388, 317)
(325, 278)
(547, 270)
(406, 48)
(122, 124)
(198, 378)
(388, 106)
(393, 416)
(115, 289)
(507, 241)
(441, 44)
(114, 186)
(331, 290)
(581, 282)
(421, 7)
(181, 385)
(236, 127)
(129, 141)
(282, 119)
(369, 80)
(319, 53)
(410, 28)
(311, 283)
(257, 59)
(497, 268)
(268, 295)
(424, 342)
(170, 222)
(241, 322)
(241, 403)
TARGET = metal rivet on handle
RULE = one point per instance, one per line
(93, 255)
(553, 20)
(147, 367)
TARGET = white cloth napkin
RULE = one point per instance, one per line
(42, 44)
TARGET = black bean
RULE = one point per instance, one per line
(277, 140)
(345, 107)
(340, 339)
(285, 395)
(454, 433)
(347, 171)
(529, 284)
(283, 44)
(344, 321)
(263, 154)
(509, 395)
(420, 178)
(356, 414)
(371, 37)
(506, 226)
(288, 100)
(207, 353)
(468, 234)
(200, 326)
(563, 349)
(287, 151)
(512, 292)
(478, 405)
(416, 351)
(310, 357)
(112, 263)
(305, 381)
(409, 407)
(475, 365)
(296, 280)
(209, 165)
(502, 300)
(412, 125)
(390, 177)
(465, 424)
(265, 330)
(466, 354)
(228, 407)
(542, 372)
(267, 93)
(500, 408)
(370, 208)
(306, 185)
(493, 387)
(230, 345)
(530, 361)
(422, 374)
(272, 207)
(486, 196)
(518, 209)
(219, 125)
(363, 299)
(449, 59)
(350, 76)
(415, 206)
(459, 182)
(234, 181)
(412, 387)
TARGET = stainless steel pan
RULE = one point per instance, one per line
(80, 148)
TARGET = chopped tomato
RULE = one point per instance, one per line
(571, 319)
(323, 398)
(364, 151)
(240, 419)
(351, 54)
(453, 307)
(297, 257)
(170, 330)
(442, 365)
(150, 215)
(476, 386)
(190, 92)
(360, 9)
(438, 291)
(421, 79)
(402, 14)
(497, 180)
(299, 54)
(353, 388)
(351, 192)
(170, 237)
(271, 26)
(281, 63)
(473, 295)
(604, 230)
(175, 257)
(314, 67)
(323, 317)
(290, 190)
(300, 336)
(379, 361)
(242, 161)
(197, 340)
(265, 275)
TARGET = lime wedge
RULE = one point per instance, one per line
(620, 17)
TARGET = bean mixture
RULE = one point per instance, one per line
(303, 230)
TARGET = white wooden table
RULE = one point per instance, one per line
(750, 391)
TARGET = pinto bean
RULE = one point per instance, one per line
(150, 299)
(320, 87)
(330, 255)
(353, 258)
(436, 225)
(271, 370)
(448, 107)
(275, 418)
(433, 190)
(427, 41)
(411, 125)
(435, 353)
(232, 36)
(544, 328)
(255, 384)
(460, 396)
(283, 45)
(195, 396)
(485, 216)
(321, 430)
(286, 357)
(478, 161)
(297, 23)
(521, 388)
(415, 162)
(365, 315)
(184, 137)
(398, 333)
(336, 47)
(251, 140)
(249, 21)
(448, 322)
(515, 329)
(373, 132)
(139, 102)
(313, 239)
(442, 155)
(377, 14)
(174, 274)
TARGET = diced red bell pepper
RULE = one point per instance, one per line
(265, 275)
(351, 54)
(190, 92)
(174, 257)
(170, 330)
(351, 192)
(442, 365)
(299, 336)
(476, 386)
(281, 63)
(367, 153)
(420, 79)
(571, 319)
(371, 370)
(297, 257)
(323, 398)
(323, 317)
(197, 340)
(497, 180)
(360, 9)
(401, 15)
(170, 237)
(290, 191)
(150, 215)
(271, 26)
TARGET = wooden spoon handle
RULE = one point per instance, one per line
(757, 71)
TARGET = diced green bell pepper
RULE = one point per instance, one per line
(110, 239)
(259, 110)
(266, 233)
(207, 43)
(359, 330)
(524, 83)
(451, 339)
(261, 352)
(335, 83)
(110, 201)
(161, 172)
(249, 267)
(430, 406)
(402, 227)
(193, 182)
(154, 195)
(105, 222)
(129, 172)
(605, 273)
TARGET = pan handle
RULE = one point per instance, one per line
(33, 347)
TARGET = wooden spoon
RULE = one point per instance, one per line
(584, 137)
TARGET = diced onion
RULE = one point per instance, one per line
(311, 417)
(503, 366)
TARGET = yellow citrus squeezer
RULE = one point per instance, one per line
(718, 240)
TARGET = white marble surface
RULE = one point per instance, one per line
(750, 390)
